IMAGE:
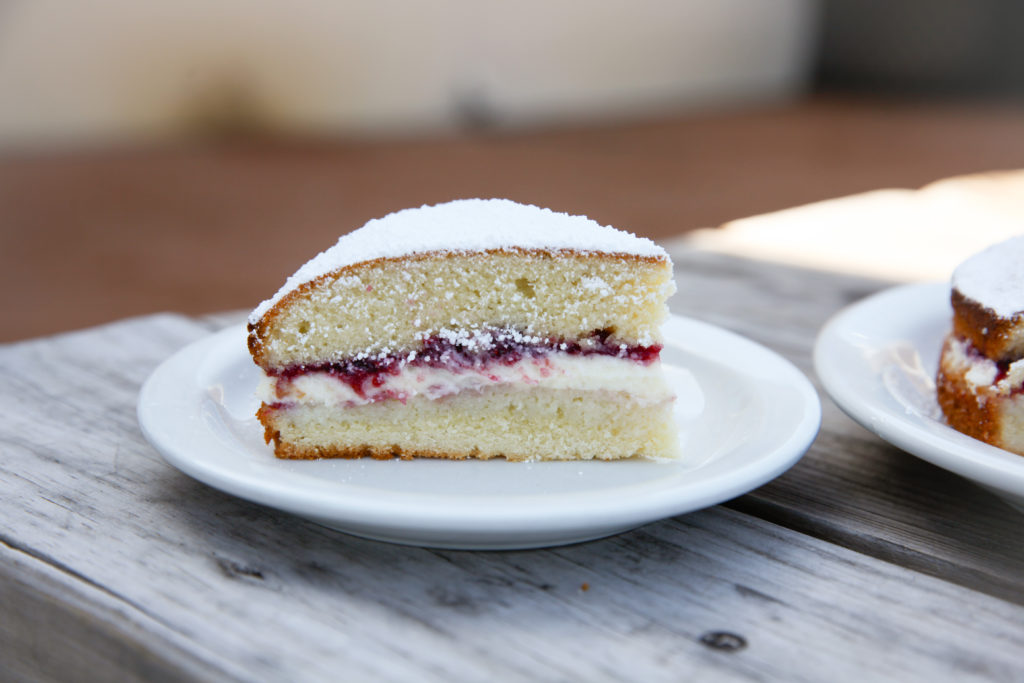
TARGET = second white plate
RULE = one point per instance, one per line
(877, 360)
(745, 416)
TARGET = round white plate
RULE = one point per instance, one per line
(878, 358)
(745, 415)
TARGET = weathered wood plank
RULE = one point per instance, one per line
(852, 488)
(56, 626)
(247, 592)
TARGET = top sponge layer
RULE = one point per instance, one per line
(988, 300)
(465, 225)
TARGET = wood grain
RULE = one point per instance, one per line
(57, 626)
(852, 488)
(849, 567)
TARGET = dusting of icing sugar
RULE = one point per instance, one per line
(994, 277)
(477, 340)
(464, 225)
(596, 284)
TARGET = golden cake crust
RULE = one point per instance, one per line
(974, 413)
(994, 336)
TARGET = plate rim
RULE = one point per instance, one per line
(944, 447)
(757, 471)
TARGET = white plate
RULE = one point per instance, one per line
(877, 359)
(745, 416)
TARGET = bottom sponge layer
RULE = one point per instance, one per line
(541, 424)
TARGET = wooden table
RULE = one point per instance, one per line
(860, 563)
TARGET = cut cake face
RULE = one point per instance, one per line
(476, 328)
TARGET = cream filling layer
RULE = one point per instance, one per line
(980, 373)
(645, 383)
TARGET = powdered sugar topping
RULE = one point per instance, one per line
(465, 225)
(994, 278)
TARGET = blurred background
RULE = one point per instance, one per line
(188, 156)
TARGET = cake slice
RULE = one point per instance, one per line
(980, 382)
(472, 329)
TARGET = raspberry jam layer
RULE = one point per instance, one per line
(450, 363)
